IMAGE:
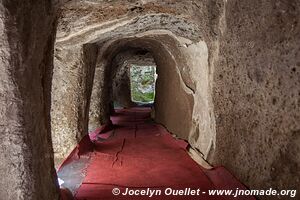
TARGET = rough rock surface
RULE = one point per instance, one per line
(106, 60)
(228, 82)
(71, 90)
(257, 92)
(26, 167)
(180, 39)
(224, 59)
(100, 97)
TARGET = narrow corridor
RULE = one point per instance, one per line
(222, 78)
(138, 154)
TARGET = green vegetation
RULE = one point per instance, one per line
(142, 80)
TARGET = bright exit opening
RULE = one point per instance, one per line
(142, 83)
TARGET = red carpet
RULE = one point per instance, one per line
(140, 155)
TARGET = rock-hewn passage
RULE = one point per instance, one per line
(227, 82)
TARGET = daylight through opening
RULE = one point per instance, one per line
(142, 83)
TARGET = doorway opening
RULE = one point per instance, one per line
(142, 84)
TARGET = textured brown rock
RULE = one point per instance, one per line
(100, 97)
(179, 24)
(228, 82)
(71, 90)
(256, 93)
(26, 166)
(198, 57)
